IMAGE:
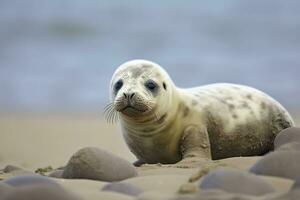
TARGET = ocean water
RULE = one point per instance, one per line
(60, 54)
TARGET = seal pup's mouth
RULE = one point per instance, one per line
(111, 112)
(129, 109)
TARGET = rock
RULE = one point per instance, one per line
(287, 136)
(124, 188)
(5, 189)
(236, 181)
(97, 164)
(38, 192)
(12, 171)
(292, 146)
(11, 168)
(56, 173)
(19, 181)
(284, 164)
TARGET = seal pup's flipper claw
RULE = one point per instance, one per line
(139, 163)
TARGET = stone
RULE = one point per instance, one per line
(284, 164)
(38, 192)
(236, 181)
(97, 164)
(56, 173)
(19, 181)
(292, 146)
(11, 168)
(287, 136)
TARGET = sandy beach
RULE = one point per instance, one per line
(39, 140)
(32, 141)
(57, 64)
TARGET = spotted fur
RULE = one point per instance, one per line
(239, 120)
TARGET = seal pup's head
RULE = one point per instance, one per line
(140, 91)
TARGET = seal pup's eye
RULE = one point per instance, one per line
(118, 85)
(151, 85)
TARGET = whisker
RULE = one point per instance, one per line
(110, 113)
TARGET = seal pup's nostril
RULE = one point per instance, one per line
(132, 95)
(129, 95)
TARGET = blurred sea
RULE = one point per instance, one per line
(60, 54)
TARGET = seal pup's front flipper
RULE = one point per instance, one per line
(195, 143)
(194, 147)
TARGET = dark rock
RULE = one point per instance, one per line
(287, 136)
(19, 181)
(40, 192)
(124, 188)
(236, 181)
(97, 164)
(284, 164)
(16, 171)
(11, 168)
(56, 173)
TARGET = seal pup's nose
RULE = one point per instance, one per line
(129, 96)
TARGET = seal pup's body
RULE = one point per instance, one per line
(165, 124)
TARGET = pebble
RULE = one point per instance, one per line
(287, 136)
(56, 173)
(11, 168)
(284, 164)
(40, 192)
(97, 164)
(292, 146)
(236, 181)
(19, 181)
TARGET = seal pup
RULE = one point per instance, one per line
(162, 123)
